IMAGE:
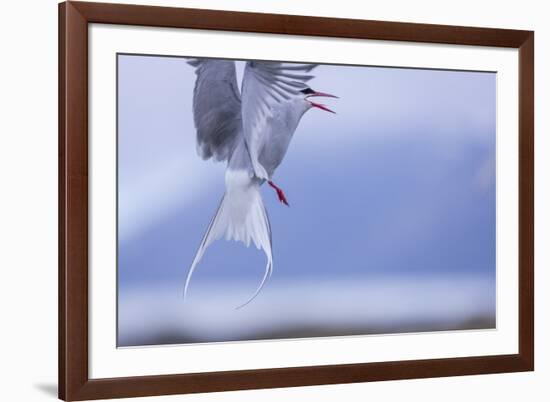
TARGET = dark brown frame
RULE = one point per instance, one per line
(74, 383)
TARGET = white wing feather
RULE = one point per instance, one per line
(216, 108)
(265, 84)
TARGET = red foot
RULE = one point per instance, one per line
(280, 193)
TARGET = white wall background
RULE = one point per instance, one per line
(28, 213)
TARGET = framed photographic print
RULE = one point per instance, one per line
(259, 200)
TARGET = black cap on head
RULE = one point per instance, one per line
(307, 91)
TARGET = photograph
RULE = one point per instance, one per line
(261, 200)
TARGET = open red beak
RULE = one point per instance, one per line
(322, 94)
(319, 105)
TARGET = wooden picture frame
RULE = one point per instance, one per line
(74, 381)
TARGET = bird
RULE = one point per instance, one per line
(250, 130)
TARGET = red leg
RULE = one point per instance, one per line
(280, 193)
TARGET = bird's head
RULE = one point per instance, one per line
(310, 93)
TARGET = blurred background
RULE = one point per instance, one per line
(391, 226)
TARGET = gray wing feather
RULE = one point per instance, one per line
(216, 108)
(266, 85)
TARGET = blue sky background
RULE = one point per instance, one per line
(396, 189)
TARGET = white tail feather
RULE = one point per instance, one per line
(241, 216)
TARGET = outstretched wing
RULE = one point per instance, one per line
(265, 85)
(216, 108)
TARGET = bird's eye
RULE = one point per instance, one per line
(307, 91)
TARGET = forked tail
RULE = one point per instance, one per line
(241, 216)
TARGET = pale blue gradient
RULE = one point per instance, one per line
(397, 187)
